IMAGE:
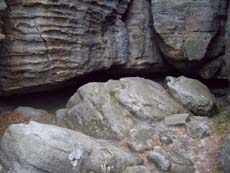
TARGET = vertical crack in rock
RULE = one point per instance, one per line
(45, 43)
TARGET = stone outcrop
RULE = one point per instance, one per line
(50, 42)
(189, 31)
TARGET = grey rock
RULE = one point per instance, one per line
(142, 41)
(165, 138)
(141, 138)
(40, 148)
(189, 30)
(32, 113)
(109, 110)
(62, 40)
(60, 116)
(180, 164)
(171, 161)
(176, 119)
(191, 93)
(161, 161)
(226, 155)
(197, 129)
(136, 169)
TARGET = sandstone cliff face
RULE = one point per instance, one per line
(49, 42)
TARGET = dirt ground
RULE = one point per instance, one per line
(8, 118)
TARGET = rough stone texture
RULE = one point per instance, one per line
(60, 115)
(189, 30)
(165, 138)
(42, 148)
(143, 48)
(172, 162)
(197, 129)
(137, 169)
(176, 119)
(109, 110)
(226, 155)
(31, 112)
(141, 138)
(50, 42)
(191, 93)
(161, 161)
(180, 164)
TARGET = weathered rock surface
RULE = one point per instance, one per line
(143, 49)
(171, 162)
(109, 110)
(137, 169)
(161, 161)
(141, 138)
(189, 30)
(46, 148)
(31, 112)
(50, 42)
(177, 119)
(42, 148)
(197, 129)
(226, 155)
(165, 138)
(191, 93)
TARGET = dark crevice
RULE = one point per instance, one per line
(125, 15)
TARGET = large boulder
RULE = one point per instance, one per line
(39, 148)
(189, 31)
(191, 93)
(109, 110)
(50, 42)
